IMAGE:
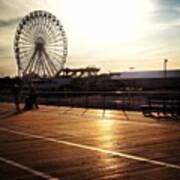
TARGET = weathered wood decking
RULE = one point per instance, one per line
(75, 143)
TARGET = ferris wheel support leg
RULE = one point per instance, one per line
(51, 64)
(31, 62)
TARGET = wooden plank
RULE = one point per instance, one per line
(138, 136)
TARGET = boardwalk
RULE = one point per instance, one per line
(81, 144)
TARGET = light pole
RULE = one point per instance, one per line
(131, 102)
(165, 68)
(131, 68)
(165, 72)
(132, 81)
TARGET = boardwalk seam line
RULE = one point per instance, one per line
(28, 169)
(124, 155)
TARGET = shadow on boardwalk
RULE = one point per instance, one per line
(9, 111)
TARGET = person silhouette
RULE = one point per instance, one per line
(16, 93)
(33, 96)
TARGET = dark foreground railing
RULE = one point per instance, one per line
(131, 100)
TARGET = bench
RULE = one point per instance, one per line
(167, 106)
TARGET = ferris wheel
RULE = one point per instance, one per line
(40, 45)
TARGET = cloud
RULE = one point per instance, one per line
(166, 11)
(9, 22)
(166, 15)
(169, 3)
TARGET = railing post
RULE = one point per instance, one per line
(86, 100)
(104, 101)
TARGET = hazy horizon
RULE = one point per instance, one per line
(113, 35)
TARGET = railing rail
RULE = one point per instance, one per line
(97, 99)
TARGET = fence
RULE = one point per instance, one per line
(131, 100)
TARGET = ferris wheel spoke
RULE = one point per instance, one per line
(49, 70)
(55, 50)
(49, 37)
(37, 64)
(28, 29)
(26, 49)
(34, 64)
(55, 53)
(50, 63)
(26, 32)
(41, 68)
(46, 67)
(54, 45)
(25, 40)
(24, 56)
(30, 68)
(54, 32)
(52, 37)
(31, 30)
(25, 45)
(51, 31)
(30, 64)
(46, 29)
(58, 54)
(27, 52)
(24, 52)
(56, 58)
(56, 42)
(56, 39)
(43, 23)
(48, 25)
(26, 36)
(58, 61)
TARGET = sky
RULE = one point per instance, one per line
(113, 35)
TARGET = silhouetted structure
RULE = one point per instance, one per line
(79, 72)
(148, 80)
(16, 95)
(31, 100)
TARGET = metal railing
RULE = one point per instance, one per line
(131, 100)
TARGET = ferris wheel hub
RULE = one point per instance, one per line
(39, 43)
